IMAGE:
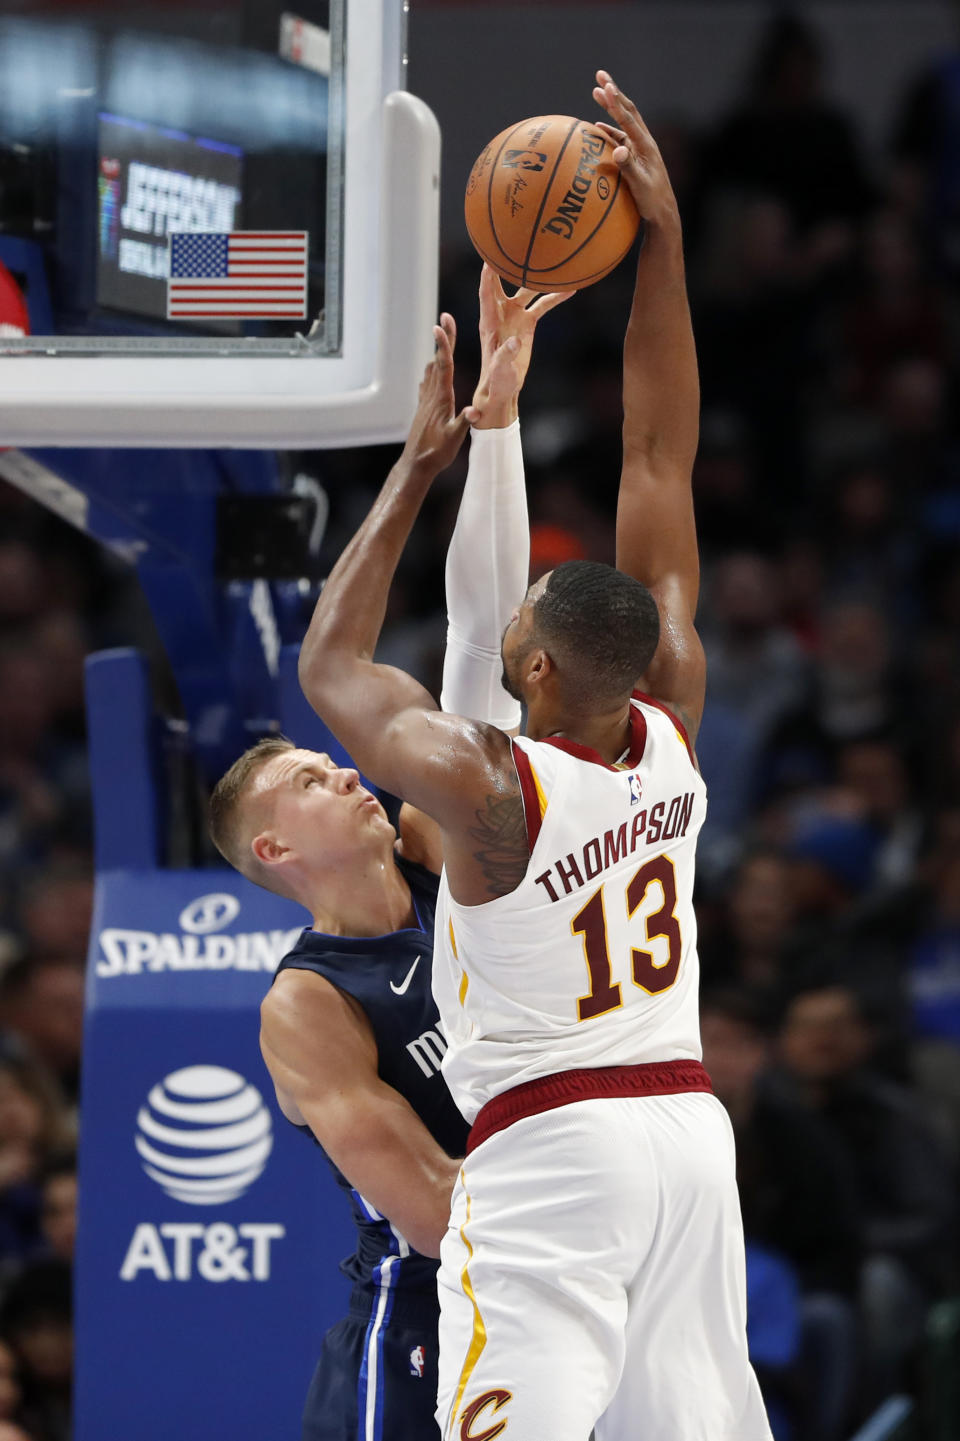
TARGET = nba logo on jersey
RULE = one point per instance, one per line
(635, 790)
(417, 1359)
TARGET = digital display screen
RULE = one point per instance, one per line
(152, 180)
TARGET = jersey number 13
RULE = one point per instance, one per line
(590, 923)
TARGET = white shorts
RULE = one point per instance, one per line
(592, 1278)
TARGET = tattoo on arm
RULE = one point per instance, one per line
(501, 833)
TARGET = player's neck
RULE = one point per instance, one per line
(372, 899)
(607, 733)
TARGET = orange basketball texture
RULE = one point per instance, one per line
(546, 205)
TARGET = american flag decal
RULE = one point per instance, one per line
(240, 275)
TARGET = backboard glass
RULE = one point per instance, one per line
(283, 141)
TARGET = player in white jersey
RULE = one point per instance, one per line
(592, 1277)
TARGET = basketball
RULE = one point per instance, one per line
(546, 205)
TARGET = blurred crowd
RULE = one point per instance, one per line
(58, 599)
(823, 282)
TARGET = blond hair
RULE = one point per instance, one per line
(224, 813)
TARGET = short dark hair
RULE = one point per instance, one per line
(600, 625)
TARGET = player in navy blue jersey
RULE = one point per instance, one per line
(350, 1031)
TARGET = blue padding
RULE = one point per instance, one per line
(122, 760)
(158, 510)
(201, 1306)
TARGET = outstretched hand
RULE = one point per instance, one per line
(636, 153)
(507, 325)
(437, 430)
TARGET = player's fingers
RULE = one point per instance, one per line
(616, 135)
(488, 286)
(524, 295)
(449, 327)
(543, 303)
(443, 359)
(627, 162)
(504, 353)
(623, 109)
(460, 424)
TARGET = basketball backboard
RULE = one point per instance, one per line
(252, 125)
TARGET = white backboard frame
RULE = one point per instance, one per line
(363, 395)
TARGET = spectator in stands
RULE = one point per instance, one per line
(868, 549)
(854, 690)
(58, 1205)
(797, 1196)
(874, 771)
(926, 145)
(785, 138)
(31, 1129)
(755, 666)
(748, 946)
(41, 1003)
(36, 1318)
(10, 1397)
(904, 1182)
(56, 905)
(897, 310)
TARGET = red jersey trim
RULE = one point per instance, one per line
(638, 744)
(531, 794)
(547, 1093)
(672, 716)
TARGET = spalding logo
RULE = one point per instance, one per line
(204, 1135)
(209, 913)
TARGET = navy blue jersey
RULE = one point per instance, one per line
(389, 976)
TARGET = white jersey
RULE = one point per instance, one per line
(592, 960)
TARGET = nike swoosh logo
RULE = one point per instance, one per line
(404, 985)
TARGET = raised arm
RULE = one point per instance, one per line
(656, 534)
(459, 771)
(389, 724)
(488, 562)
(488, 559)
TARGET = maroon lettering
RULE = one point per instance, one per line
(673, 818)
(547, 884)
(637, 829)
(656, 823)
(615, 846)
(568, 873)
(592, 863)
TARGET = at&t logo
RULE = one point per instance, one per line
(204, 1135)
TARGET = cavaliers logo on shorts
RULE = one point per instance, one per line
(491, 1402)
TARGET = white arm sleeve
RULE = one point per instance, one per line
(487, 571)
